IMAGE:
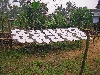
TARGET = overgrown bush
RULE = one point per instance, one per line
(33, 48)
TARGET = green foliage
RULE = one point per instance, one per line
(60, 21)
(56, 21)
(20, 66)
(21, 21)
(81, 17)
(34, 14)
(97, 60)
(42, 48)
(14, 11)
(35, 5)
(35, 17)
(65, 12)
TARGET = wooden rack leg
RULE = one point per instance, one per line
(10, 43)
(2, 44)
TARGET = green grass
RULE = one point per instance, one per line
(14, 63)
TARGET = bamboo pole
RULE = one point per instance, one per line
(10, 26)
(2, 30)
(85, 53)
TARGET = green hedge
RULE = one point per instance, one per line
(66, 45)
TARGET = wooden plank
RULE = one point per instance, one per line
(5, 38)
(5, 32)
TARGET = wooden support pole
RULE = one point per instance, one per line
(10, 40)
(85, 53)
(2, 33)
(10, 44)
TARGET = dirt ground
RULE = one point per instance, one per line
(93, 52)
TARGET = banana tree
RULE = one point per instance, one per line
(34, 13)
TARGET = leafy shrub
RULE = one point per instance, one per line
(41, 48)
